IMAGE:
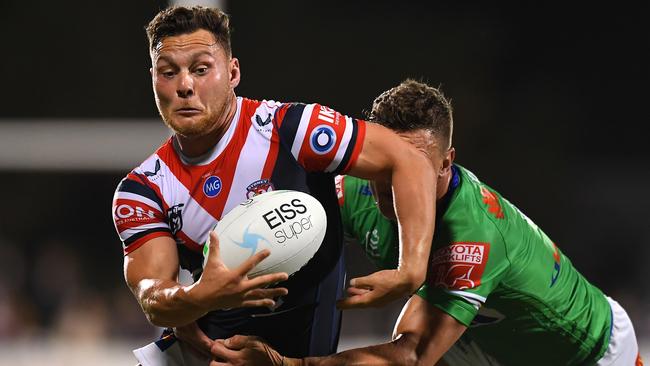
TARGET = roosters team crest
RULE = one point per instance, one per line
(258, 187)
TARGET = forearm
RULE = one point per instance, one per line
(167, 303)
(414, 200)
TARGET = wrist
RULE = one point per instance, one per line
(188, 295)
(412, 278)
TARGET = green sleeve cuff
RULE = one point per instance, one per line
(453, 305)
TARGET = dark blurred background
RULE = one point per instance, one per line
(550, 102)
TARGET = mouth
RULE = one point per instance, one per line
(187, 111)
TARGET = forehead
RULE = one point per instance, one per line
(200, 40)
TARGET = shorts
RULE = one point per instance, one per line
(623, 349)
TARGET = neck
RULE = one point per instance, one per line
(194, 146)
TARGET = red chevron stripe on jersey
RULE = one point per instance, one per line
(173, 195)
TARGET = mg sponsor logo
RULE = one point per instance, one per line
(212, 186)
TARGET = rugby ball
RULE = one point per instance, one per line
(291, 224)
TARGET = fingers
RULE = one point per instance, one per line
(251, 262)
(357, 301)
(267, 303)
(363, 282)
(238, 342)
(214, 245)
(220, 352)
(267, 279)
(353, 291)
(266, 293)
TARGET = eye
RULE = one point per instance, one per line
(201, 70)
(167, 74)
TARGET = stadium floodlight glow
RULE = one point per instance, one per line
(77, 145)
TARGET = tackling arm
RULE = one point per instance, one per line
(422, 335)
(387, 157)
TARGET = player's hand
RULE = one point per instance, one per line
(247, 351)
(377, 289)
(193, 336)
(222, 288)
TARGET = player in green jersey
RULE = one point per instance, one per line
(498, 291)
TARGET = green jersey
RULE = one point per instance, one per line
(495, 271)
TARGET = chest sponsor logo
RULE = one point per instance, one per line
(322, 139)
(258, 187)
(175, 218)
(460, 265)
(212, 186)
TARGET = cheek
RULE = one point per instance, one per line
(163, 91)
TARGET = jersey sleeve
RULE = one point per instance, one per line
(319, 138)
(138, 213)
(463, 273)
(363, 221)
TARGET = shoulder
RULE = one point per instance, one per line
(486, 205)
(150, 172)
(475, 218)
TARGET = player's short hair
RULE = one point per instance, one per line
(178, 20)
(414, 105)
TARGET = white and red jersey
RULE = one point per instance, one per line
(268, 146)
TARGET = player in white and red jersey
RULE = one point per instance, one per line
(227, 148)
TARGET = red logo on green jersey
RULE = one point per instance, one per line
(556, 265)
(491, 200)
(339, 184)
(460, 265)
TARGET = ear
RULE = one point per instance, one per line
(448, 161)
(151, 71)
(235, 72)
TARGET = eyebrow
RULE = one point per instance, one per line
(192, 57)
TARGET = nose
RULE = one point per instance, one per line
(185, 87)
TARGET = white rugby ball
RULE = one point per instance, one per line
(291, 224)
